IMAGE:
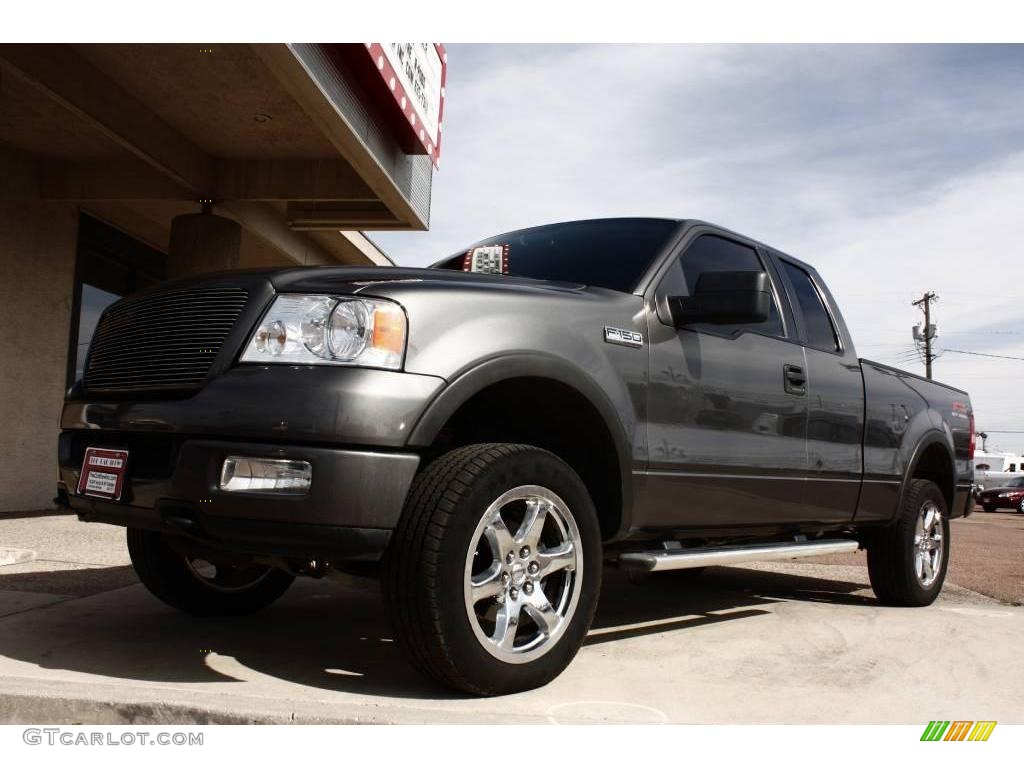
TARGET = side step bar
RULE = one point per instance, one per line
(676, 559)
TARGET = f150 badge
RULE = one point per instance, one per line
(623, 337)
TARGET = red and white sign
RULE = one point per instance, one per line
(415, 74)
(103, 473)
(488, 259)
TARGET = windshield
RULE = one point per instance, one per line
(1017, 482)
(608, 253)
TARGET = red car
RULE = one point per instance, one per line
(1010, 495)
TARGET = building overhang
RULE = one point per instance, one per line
(276, 136)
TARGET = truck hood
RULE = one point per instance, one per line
(368, 279)
(348, 280)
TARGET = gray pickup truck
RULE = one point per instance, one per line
(486, 435)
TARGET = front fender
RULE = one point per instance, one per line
(536, 365)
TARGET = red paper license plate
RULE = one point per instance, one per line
(103, 473)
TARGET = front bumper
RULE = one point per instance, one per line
(296, 404)
(353, 504)
(351, 424)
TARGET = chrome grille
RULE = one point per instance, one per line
(161, 341)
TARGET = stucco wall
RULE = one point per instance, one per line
(38, 242)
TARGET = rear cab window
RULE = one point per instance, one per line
(819, 329)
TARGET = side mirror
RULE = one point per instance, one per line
(724, 298)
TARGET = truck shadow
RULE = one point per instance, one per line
(664, 602)
(337, 638)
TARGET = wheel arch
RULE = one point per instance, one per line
(932, 459)
(549, 375)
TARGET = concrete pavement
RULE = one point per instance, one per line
(776, 643)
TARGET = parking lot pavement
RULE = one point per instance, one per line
(776, 642)
(70, 559)
(987, 555)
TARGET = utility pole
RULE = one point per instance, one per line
(929, 334)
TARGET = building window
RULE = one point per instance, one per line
(109, 266)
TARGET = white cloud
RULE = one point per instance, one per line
(894, 170)
(965, 245)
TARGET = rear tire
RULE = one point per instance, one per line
(1020, 506)
(907, 561)
(199, 587)
(482, 599)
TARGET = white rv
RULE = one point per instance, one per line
(992, 470)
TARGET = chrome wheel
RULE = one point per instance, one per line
(224, 577)
(928, 544)
(521, 589)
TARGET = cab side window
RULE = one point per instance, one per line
(821, 334)
(710, 253)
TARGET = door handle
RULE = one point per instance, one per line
(794, 379)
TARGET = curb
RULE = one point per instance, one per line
(11, 556)
(28, 709)
(63, 702)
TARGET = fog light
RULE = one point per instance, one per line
(241, 474)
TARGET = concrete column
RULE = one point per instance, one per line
(203, 242)
(38, 244)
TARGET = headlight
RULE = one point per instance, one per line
(329, 330)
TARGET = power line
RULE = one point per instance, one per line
(886, 344)
(910, 354)
(982, 354)
(988, 333)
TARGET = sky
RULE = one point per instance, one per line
(894, 170)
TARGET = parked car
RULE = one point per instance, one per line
(1009, 496)
(488, 434)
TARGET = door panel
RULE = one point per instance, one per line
(727, 407)
(835, 399)
(727, 442)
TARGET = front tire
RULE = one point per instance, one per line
(219, 587)
(907, 561)
(495, 568)
(989, 507)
